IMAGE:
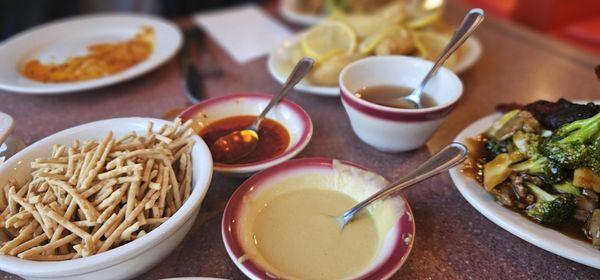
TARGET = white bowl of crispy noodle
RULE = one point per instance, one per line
(132, 258)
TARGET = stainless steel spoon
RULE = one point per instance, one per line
(240, 143)
(448, 157)
(468, 25)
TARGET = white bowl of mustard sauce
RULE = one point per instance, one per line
(279, 224)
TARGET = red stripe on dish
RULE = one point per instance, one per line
(307, 127)
(229, 225)
(394, 114)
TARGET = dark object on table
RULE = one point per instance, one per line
(553, 115)
(208, 66)
(597, 70)
(192, 76)
(506, 107)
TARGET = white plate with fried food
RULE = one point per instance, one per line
(309, 12)
(85, 52)
(293, 15)
(281, 61)
(103, 200)
(393, 29)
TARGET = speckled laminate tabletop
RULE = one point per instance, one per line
(453, 241)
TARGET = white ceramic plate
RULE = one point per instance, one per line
(543, 237)
(6, 126)
(56, 41)
(278, 59)
(295, 17)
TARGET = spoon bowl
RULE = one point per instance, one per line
(471, 21)
(234, 146)
(450, 156)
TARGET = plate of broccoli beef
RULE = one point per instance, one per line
(534, 170)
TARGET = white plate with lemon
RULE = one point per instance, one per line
(340, 40)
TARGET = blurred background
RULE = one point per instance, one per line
(18, 15)
(576, 22)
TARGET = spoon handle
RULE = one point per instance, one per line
(448, 157)
(300, 70)
(467, 26)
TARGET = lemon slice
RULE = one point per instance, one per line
(369, 43)
(431, 44)
(328, 39)
(424, 20)
(365, 25)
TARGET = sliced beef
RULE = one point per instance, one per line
(585, 204)
(592, 228)
(507, 107)
(512, 193)
(553, 115)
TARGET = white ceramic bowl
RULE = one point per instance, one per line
(395, 247)
(8, 145)
(132, 258)
(289, 114)
(392, 129)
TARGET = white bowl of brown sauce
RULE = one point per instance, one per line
(368, 87)
(283, 134)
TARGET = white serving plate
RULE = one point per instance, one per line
(295, 17)
(128, 260)
(56, 41)
(277, 60)
(513, 222)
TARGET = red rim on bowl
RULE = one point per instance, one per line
(398, 254)
(397, 114)
(306, 124)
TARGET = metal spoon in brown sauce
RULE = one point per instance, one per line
(238, 144)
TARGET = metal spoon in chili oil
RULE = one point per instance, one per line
(238, 144)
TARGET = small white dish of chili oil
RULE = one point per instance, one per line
(284, 133)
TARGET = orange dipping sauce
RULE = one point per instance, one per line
(273, 138)
(101, 60)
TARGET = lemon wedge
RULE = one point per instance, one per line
(369, 43)
(328, 39)
(365, 25)
(431, 44)
(424, 20)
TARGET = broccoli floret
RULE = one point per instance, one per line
(526, 143)
(569, 145)
(550, 209)
(567, 187)
(594, 161)
(496, 147)
(542, 167)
